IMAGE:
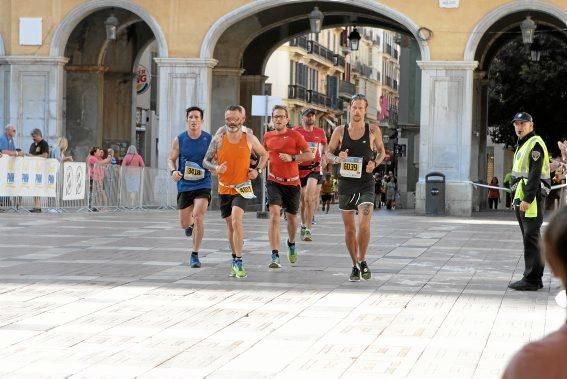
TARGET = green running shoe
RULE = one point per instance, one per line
(365, 271)
(302, 231)
(291, 254)
(354, 275)
(238, 267)
(307, 235)
(275, 261)
(232, 270)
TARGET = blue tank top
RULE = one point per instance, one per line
(192, 152)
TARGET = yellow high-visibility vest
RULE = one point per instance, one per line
(521, 170)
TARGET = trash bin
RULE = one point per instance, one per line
(435, 194)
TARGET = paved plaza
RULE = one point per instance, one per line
(111, 295)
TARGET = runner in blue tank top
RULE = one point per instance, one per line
(185, 163)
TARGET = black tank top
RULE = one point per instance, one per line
(357, 148)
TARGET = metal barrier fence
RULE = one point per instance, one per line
(116, 188)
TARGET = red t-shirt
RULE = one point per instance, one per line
(290, 142)
(314, 139)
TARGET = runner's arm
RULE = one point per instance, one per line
(259, 149)
(378, 144)
(173, 156)
(210, 160)
(334, 145)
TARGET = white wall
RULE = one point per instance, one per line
(277, 71)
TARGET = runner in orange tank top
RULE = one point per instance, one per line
(228, 157)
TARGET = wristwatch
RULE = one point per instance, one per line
(293, 157)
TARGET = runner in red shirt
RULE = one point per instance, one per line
(285, 148)
(310, 172)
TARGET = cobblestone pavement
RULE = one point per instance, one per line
(111, 295)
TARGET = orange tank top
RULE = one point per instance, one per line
(237, 158)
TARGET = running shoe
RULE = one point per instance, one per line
(275, 261)
(365, 271)
(307, 235)
(302, 231)
(189, 231)
(355, 274)
(291, 253)
(239, 270)
(314, 222)
(195, 262)
(232, 273)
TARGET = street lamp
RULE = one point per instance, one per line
(316, 20)
(528, 27)
(535, 50)
(110, 24)
(354, 39)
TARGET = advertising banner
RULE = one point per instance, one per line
(28, 176)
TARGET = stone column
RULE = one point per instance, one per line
(445, 132)
(479, 136)
(33, 96)
(182, 82)
(226, 91)
(252, 85)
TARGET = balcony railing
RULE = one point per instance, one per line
(314, 47)
(396, 54)
(298, 92)
(299, 42)
(395, 84)
(363, 69)
(346, 89)
(389, 81)
(339, 60)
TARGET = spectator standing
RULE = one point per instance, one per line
(38, 148)
(132, 166)
(493, 194)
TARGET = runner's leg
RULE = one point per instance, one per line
(363, 235)
(274, 227)
(199, 209)
(350, 235)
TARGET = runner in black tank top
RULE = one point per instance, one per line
(357, 148)
(356, 183)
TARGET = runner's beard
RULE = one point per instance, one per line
(233, 128)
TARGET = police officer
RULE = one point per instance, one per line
(530, 183)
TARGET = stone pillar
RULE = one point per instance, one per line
(445, 132)
(226, 91)
(252, 85)
(479, 136)
(33, 96)
(182, 82)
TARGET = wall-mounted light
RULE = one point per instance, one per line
(354, 39)
(316, 20)
(110, 24)
(528, 27)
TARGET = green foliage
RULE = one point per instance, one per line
(539, 88)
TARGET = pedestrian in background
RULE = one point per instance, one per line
(7, 146)
(493, 194)
(132, 166)
(530, 181)
(58, 151)
(546, 358)
(38, 148)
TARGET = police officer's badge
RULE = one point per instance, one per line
(535, 155)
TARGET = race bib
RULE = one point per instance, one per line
(245, 190)
(193, 171)
(314, 147)
(351, 167)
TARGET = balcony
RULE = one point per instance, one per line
(389, 82)
(316, 48)
(362, 69)
(396, 54)
(339, 60)
(395, 84)
(317, 98)
(346, 89)
(297, 92)
(299, 42)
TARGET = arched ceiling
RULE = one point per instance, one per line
(249, 42)
(508, 28)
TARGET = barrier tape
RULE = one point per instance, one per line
(508, 189)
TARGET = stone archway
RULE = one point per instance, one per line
(223, 23)
(489, 35)
(66, 27)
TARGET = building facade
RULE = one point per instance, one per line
(213, 53)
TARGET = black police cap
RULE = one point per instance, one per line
(523, 116)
